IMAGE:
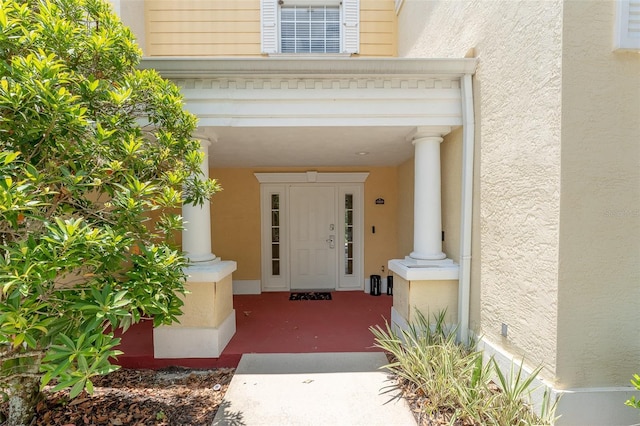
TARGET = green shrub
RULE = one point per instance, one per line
(91, 148)
(633, 402)
(451, 380)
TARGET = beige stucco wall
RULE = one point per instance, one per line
(382, 245)
(451, 180)
(197, 311)
(518, 45)
(235, 221)
(406, 174)
(235, 216)
(428, 297)
(598, 333)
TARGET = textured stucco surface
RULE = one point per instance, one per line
(518, 120)
(598, 333)
(428, 297)
(406, 175)
(451, 175)
(197, 311)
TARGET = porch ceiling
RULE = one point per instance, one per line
(307, 146)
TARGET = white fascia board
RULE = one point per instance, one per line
(200, 67)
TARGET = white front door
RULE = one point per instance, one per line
(313, 237)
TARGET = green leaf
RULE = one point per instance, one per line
(89, 386)
(77, 388)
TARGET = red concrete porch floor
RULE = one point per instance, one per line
(271, 323)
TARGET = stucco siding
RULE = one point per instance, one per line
(451, 180)
(428, 297)
(235, 220)
(518, 118)
(382, 245)
(406, 174)
(599, 338)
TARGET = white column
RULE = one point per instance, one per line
(196, 235)
(427, 207)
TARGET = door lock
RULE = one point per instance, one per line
(332, 241)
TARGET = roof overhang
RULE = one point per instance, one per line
(197, 67)
(313, 111)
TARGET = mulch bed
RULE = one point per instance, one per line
(172, 396)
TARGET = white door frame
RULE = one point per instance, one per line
(276, 186)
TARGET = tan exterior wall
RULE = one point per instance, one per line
(197, 311)
(235, 218)
(429, 297)
(598, 335)
(381, 246)
(378, 28)
(406, 174)
(232, 28)
(518, 118)
(202, 28)
(451, 176)
(235, 221)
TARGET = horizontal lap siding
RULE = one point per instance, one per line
(378, 28)
(232, 28)
(202, 27)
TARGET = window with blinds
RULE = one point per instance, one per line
(310, 26)
(309, 29)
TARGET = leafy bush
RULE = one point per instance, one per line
(633, 402)
(91, 149)
(451, 380)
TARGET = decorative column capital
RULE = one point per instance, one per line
(431, 132)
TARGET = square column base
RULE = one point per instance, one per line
(208, 320)
(193, 342)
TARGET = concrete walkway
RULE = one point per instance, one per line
(312, 389)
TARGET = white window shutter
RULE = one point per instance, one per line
(351, 25)
(269, 25)
(628, 25)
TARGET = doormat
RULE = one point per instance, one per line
(310, 295)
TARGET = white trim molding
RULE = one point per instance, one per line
(297, 66)
(246, 286)
(331, 92)
(398, 6)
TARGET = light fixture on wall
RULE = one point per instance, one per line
(362, 153)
